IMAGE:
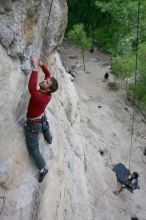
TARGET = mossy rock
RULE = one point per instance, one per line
(113, 86)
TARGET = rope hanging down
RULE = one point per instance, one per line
(135, 77)
(46, 26)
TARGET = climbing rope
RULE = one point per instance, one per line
(50, 9)
(135, 78)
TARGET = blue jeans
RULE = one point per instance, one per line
(31, 135)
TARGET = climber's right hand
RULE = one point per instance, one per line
(40, 62)
(34, 61)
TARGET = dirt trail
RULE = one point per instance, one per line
(106, 121)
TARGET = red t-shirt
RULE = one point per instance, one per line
(38, 100)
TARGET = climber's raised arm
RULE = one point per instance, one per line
(32, 85)
(48, 74)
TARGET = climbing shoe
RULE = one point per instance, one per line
(42, 175)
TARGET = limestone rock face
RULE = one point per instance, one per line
(63, 193)
(24, 29)
(31, 26)
(80, 183)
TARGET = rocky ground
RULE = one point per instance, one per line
(106, 123)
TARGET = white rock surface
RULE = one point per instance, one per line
(30, 26)
(80, 182)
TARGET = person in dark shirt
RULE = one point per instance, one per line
(36, 118)
(106, 76)
(131, 184)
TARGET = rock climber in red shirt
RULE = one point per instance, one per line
(36, 118)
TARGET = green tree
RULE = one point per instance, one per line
(79, 37)
(123, 66)
(112, 25)
(122, 19)
(143, 21)
(84, 12)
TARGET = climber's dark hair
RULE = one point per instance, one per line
(54, 86)
(135, 175)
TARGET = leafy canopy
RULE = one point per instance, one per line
(79, 36)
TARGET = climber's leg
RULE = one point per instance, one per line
(118, 190)
(31, 135)
(46, 130)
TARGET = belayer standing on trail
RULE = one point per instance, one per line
(125, 179)
(106, 76)
(36, 118)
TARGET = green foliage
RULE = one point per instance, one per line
(123, 66)
(121, 11)
(108, 40)
(113, 86)
(142, 61)
(105, 38)
(112, 26)
(139, 92)
(126, 45)
(112, 20)
(83, 12)
(79, 36)
(144, 99)
(143, 20)
(121, 21)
